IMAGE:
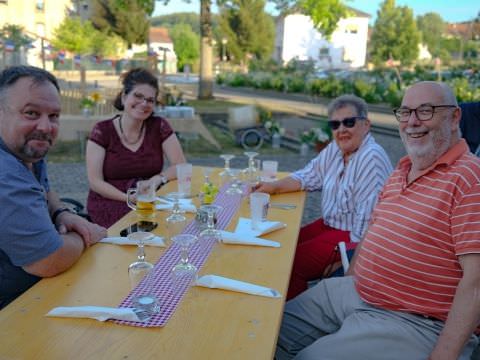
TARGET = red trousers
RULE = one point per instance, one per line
(315, 252)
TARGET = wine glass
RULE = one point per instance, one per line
(235, 185)
(176, 214)
(226, 170)
(211, 211)
(138, 269)
(252, 172)
(185, 241)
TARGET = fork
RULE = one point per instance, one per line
(283, 206)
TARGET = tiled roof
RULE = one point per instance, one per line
(159, 35)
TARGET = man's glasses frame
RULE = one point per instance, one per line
(422, 113)
(348, 122)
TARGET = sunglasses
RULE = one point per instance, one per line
(347, 122)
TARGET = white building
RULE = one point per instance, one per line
(296, 37)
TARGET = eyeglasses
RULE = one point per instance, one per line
(347, 122)
(422, 113)
(142, 98)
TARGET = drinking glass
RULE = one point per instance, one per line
(235, 185)
(142, 199)
(177, 214)
(138, 269)
(185, 241)
(252, 172)
(211, 211)
(184, 178)
(226, 170)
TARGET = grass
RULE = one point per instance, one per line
(71, 151)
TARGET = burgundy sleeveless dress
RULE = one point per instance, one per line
(122, 167)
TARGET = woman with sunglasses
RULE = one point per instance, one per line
(129, 147)
(350, 172)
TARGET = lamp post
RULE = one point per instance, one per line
(224, 49)
(164, 65)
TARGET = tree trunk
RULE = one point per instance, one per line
(205, 84)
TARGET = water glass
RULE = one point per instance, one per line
(184, 178)
(270, 170)
(258, 208)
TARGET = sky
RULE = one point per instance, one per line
(451, 11)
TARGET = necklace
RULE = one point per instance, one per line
(125, 137)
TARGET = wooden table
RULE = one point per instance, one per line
(208, 324)
(72, 126)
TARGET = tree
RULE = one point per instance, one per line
(15, 35)
(186, 44)
(205, 87)
(125, 18)
(432, 28)
(80, 37)
(248, 29)
(395, 35)
(324, 13)
(170, 20)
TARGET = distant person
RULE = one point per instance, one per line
(129, 147)
(39, 236)
(350, 172)
(470, 125)
(416, 284)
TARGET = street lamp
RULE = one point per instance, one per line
(224, 49)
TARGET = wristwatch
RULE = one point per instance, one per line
(57, 212)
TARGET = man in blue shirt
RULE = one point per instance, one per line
(39, 236)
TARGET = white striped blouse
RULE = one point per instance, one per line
(349, 193)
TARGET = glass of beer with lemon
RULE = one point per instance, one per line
(142, 199)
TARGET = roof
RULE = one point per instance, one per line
(358, 13)
(159, 35)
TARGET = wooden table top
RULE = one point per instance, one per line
(208, 324)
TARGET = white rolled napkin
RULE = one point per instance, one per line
(244, 227)
(100, 313)
(185, 205)
(220, 282)
(120, 240)
(242, 239)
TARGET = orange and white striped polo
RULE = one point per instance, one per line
(409, 257)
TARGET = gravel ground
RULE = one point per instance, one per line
(70, 180)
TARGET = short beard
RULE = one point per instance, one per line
(425, 156)
(31, 152)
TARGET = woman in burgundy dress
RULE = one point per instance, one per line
(129, 147)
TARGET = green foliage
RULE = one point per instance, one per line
(14, 33)
(125, 18)
(186, 44)
(325, 13)
(145, 5)
(170, 20)
(80, 37)
(395, 35)
(431, 27)
(248, 29)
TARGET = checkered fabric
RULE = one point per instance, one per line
(162, 286)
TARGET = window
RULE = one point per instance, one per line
(40, 5)
(351, 29)
(324, 51)
(3, 1)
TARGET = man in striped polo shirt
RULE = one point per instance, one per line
(415, 292)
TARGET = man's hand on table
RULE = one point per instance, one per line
(90, 233)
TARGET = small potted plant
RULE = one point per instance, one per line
(272, 126)
(89, 102)
(305, 141)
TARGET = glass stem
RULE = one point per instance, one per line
(184, 255)
(141, 252)
(227, 164)
(176, 207)
(210, 223)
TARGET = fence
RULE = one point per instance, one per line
(71, 100)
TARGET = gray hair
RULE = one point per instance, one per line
(11, 75)
(342, 101)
